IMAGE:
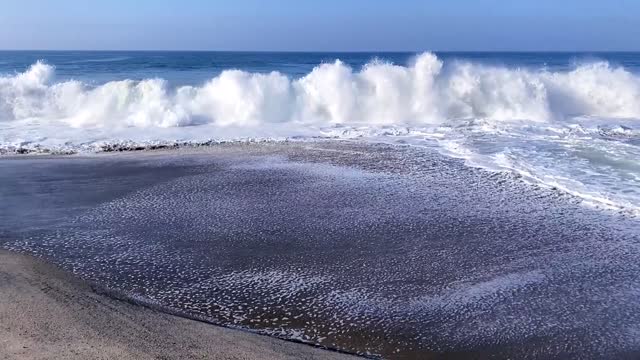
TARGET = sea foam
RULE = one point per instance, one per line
(423, 92)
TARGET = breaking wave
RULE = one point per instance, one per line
(576, 130)
(423, 92)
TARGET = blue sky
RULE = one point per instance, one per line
(341, 25)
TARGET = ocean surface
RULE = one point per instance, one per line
(568, 121)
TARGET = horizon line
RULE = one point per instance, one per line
(325, 51)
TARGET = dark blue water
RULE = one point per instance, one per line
(191, 68)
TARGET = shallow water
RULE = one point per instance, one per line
(375, 249)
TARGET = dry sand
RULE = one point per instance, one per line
(47, 314)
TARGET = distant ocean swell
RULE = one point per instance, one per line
(381, 94)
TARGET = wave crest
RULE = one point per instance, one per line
(424, 92)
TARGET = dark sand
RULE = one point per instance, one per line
(47, 314)
(374, 249)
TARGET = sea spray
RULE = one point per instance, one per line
(424, 92)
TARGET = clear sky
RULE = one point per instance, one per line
(340, 25)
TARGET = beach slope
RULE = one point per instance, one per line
(46, 313)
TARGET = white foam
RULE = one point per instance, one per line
(333, 93)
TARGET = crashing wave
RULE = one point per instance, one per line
(575, 130)
(425, 92)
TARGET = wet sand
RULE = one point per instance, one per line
(47, 314)
(372, 249)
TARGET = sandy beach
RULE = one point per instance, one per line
(47, 314)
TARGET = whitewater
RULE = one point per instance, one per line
(575, 129)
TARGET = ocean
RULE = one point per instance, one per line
(395, 205)
(568, 121)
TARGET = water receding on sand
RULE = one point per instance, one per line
(373, 249)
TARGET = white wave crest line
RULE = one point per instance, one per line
(424, 92)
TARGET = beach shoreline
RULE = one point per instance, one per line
(47, 312)
(374, 249)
